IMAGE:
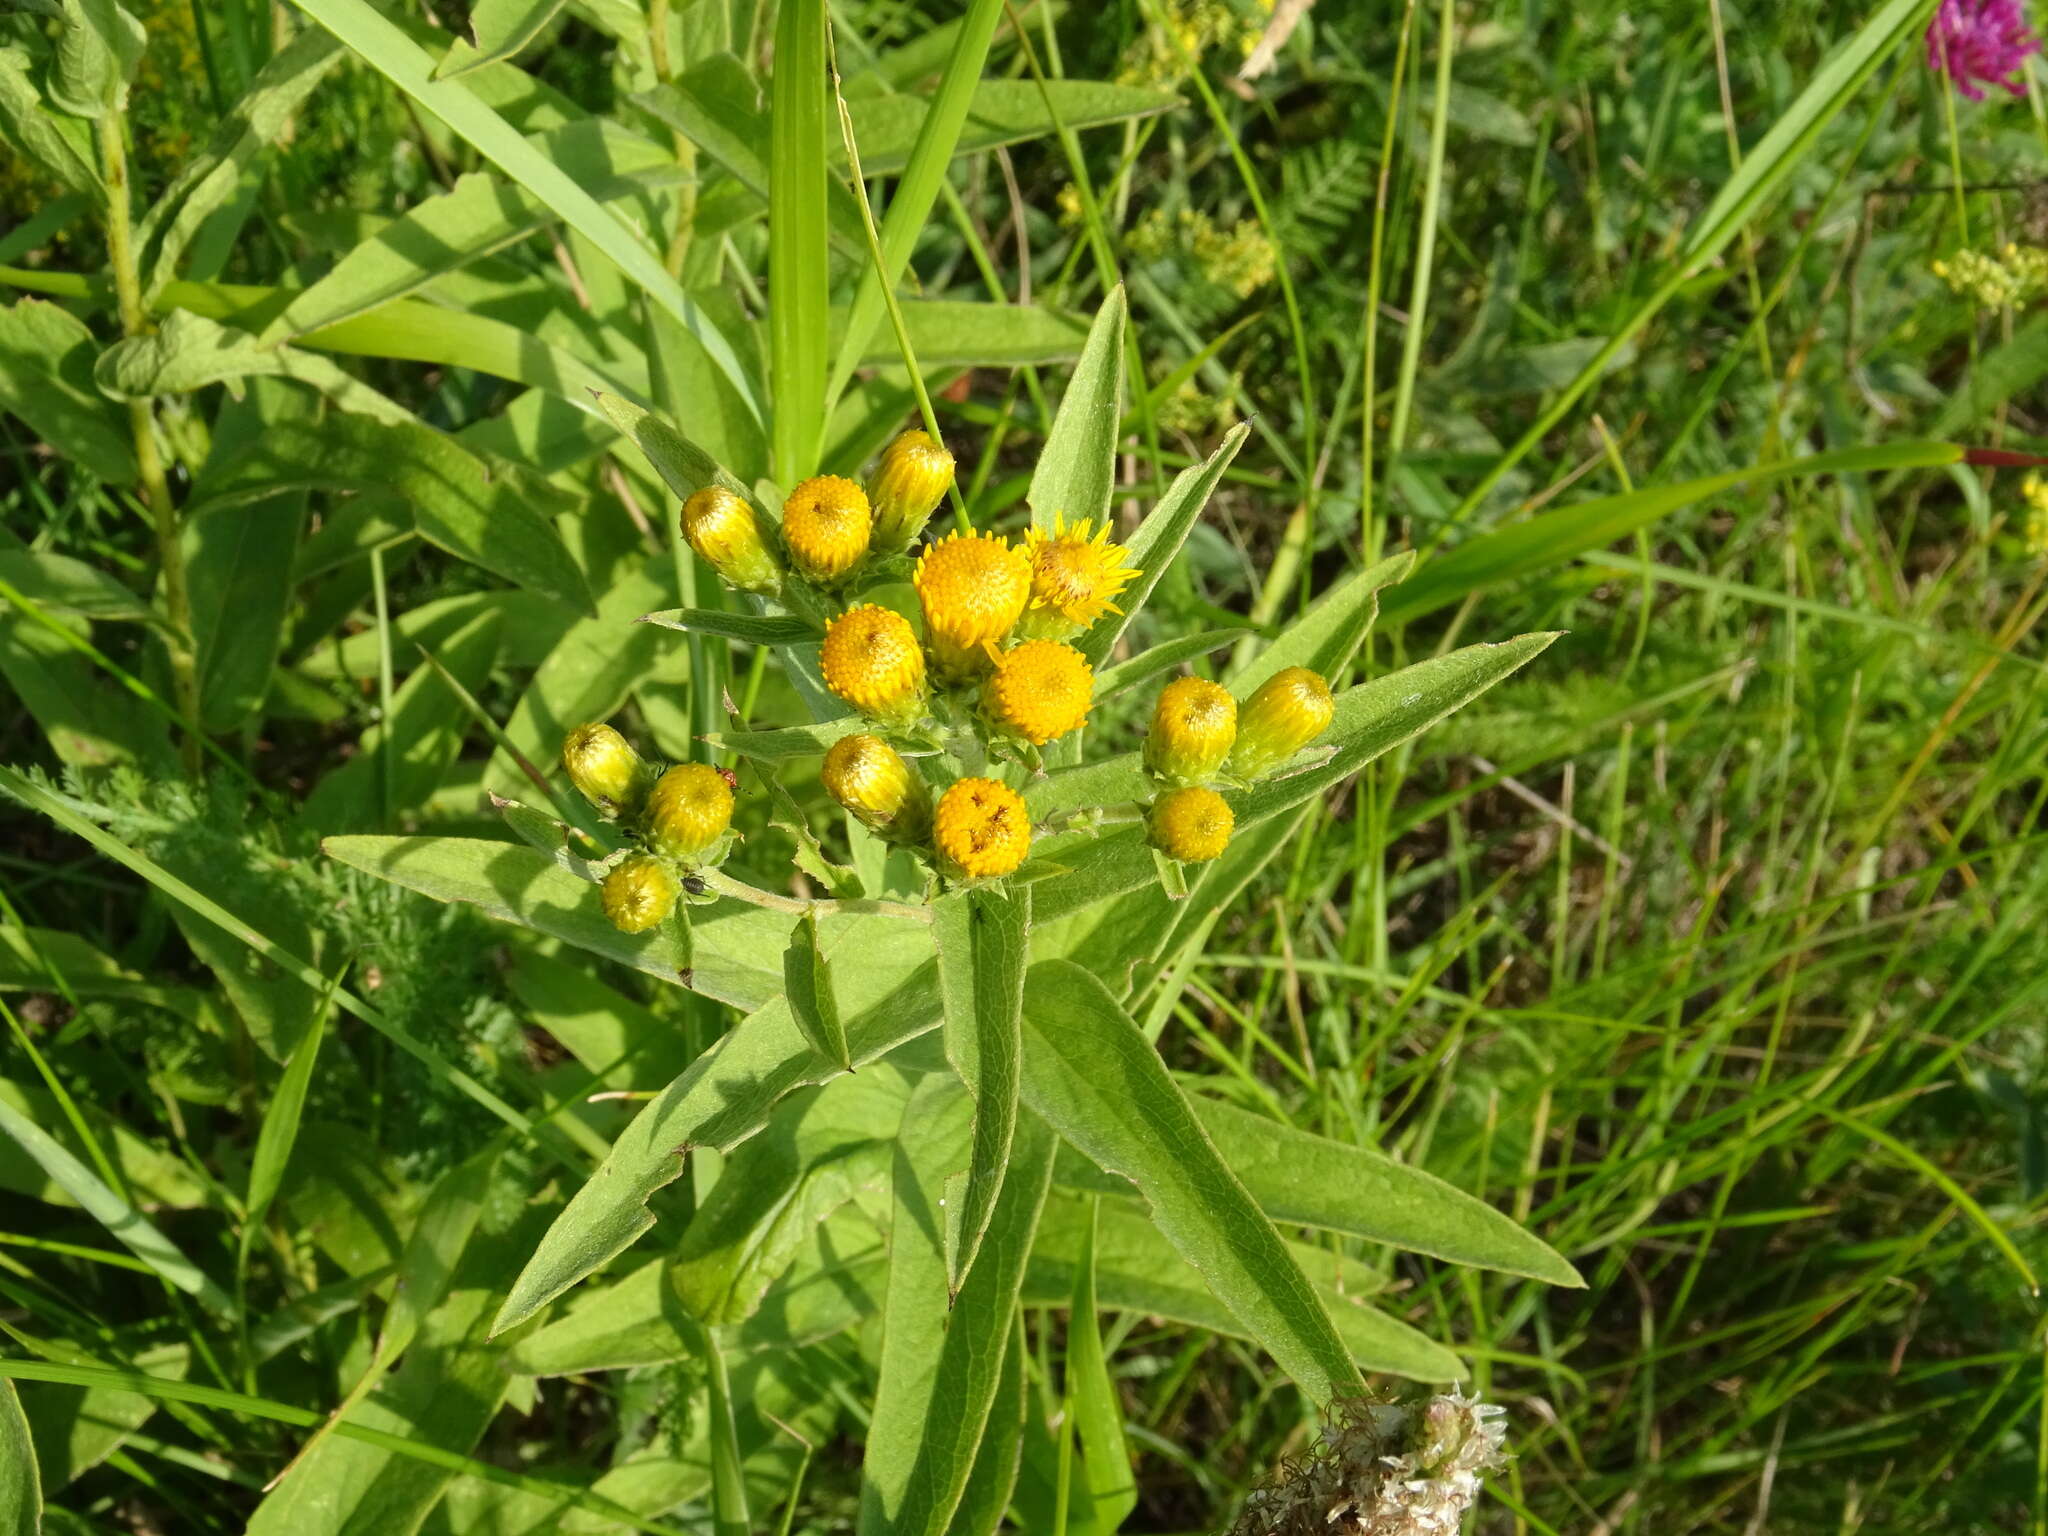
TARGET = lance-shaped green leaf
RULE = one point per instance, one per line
(1328, 635)
(807, 983)
(984, 940)
(213, 177)
(682, 465)
(21, 1483)
(492, 515)
(188, 352)
(1160, 659)
(790, 741)
(986, 1498)
(60, 144)
(822, 1148)
(1157, 543)
(748, 628)
(1002, 112)
(501, 28)
(941, 1368)
(1076, 471)
(1095, 1078)
(1098, 1414)
(888, 997)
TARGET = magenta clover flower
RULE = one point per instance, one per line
(1980, 40)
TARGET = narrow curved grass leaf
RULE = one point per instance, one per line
(1076, 470)
(1090, 1071)
(984, 940)
(387, 49)
(128, 1226)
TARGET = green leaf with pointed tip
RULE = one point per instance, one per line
(1328, 635)
(1076, 472)
(501, 28)
(984, 942)
(1161, 658)
(1098, 1415)
(1092, 1074)
(986, 1497)
(889, 997)
(1157, 543)
(748, 628)
(684, 466)
(791, 741)
(21, 1483)
(1001, 112)
(60, 144)
(807, 983)
(46, 378)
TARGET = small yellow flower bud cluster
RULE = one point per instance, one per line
(680, 817)
(2035, 531)
(1199, 733)
(1240, 257)
(2012, 278)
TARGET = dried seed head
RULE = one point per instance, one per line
(1193, 726)
(1192, 824)
(871, 659)
(690, 809)
(1288, 712)
(827, 525)
(638, 894)
(719, 525)
(982, 828)
(1039, 690)
(906, 487)
(869, 777)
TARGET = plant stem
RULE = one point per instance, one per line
(156, 488)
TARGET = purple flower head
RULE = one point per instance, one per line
(1980, 40)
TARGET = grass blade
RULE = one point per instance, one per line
(798, 256)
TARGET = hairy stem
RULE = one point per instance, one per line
(156, 489)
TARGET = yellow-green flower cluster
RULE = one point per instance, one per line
(2035, 490)
(680, 818)
(1239, 257)
(2012, 278)
(1182, 32)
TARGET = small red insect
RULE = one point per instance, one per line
(732, 780)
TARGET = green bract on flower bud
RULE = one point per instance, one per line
(1193, 726)
(720, 527)
(906, 487)
(639, 893)
(1192, 824)
(869, 777)
(606, 770)
(1291, 710)
(690, 809)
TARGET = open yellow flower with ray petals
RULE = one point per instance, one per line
(1076, 576)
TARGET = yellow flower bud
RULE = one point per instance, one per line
(871, 659)
(606, 770)
(907, 485)
(1291, 710)
(1075, 578)
(639, 893)
(973, 587)
(1039, 690)
(981, 829)
(719, 525)
(689, 810)
(1193, 726)
(1192, 824)
(869, 777)
(826, 525)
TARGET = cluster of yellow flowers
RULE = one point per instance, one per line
(992, 679)
(1239, 257)
(2035, 530)
(2013, 277)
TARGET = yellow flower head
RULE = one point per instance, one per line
(605, 769)
(1076, 575)
(1193, 727)
(1291, 710)
(689, 810)
(826, 524)
(871, 660)
(638, 894)
(1191, 824)
(907, 485)
(982, 828)
(1039, 690)
(719, 525)
(973, 587)
(869, 777)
